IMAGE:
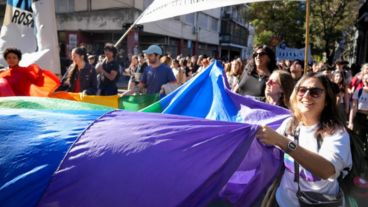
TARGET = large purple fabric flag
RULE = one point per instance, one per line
(207, 95)
(144, 159)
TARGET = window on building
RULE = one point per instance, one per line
(203, 21)
(214, 24)
(232, 32)
(228, 9)
(63, 6)
(189, 19)
(225, 27)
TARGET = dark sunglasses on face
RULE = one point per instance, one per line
(313, 92)
(259, 53)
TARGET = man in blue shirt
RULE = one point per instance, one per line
(155, 74)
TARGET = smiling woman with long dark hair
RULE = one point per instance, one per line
(314, 137)
(81, 76)
(256, 73)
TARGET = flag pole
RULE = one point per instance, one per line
(128, 30)
(306, 49)
(131, 26)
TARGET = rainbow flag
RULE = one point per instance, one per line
(208, 96)
(109, 101)
(29, 102)
(27, 81)
(130, 103)
(74, 158)
(32, 145)
(137, 102)
(106, 157)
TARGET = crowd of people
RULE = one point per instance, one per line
(324, 101)
(89, 77)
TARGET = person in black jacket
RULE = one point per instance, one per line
(80, 77)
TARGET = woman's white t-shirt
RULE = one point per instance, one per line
(362, 99)
(335, 149)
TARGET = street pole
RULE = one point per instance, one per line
(306, 49)
(196, 33)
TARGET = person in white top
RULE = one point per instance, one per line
(234, 73)
(358, 120)
(314, 107)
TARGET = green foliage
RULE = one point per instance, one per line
(330, 22)
(264, 37)
(276, 21)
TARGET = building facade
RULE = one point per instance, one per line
(218, 32)
(234, 33)
(93, 23)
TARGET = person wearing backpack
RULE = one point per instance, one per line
(316, 146)
(358, 119)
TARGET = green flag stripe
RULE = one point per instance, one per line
(155, 107)
(47, 103)
(137, 102)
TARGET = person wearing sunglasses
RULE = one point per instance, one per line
(322, 147)
(278, 88)
(256, 73)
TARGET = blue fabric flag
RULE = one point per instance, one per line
(32, 145)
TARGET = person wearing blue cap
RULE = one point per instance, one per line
(156, 74)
